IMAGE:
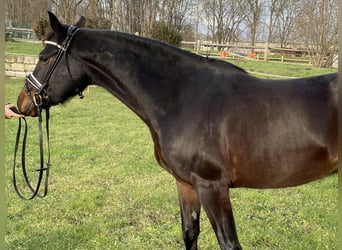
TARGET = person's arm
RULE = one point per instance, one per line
(9, 113)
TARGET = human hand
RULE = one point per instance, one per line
(12, 111)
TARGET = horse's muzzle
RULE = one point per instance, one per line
(28, 102)
(26, 105)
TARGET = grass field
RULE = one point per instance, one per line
(23, 48)
(107, 191)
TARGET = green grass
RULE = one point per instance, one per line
(23, 48)
(107, 192)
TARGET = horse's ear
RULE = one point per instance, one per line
(55, 24)
(80, 23)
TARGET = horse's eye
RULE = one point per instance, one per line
(43, 58)
(46, 55)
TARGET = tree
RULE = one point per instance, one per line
(18, 12)
(317, 28)
(276, 8)
(68, 10)
(163, 32)
(223, 19)
(41, 28)
(285, 23)
(253, 10)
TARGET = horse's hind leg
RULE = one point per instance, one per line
(214, 198)
(190, 211)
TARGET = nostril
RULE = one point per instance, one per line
(25, 105)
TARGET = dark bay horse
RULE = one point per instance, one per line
(214, 126)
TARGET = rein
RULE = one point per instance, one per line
(37, 99)
(43, 167)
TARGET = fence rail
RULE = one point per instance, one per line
(263, 52)
(19, 34)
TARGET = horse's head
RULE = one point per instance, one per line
(57, 76)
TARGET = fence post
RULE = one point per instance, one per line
(266, 52)
(198, 46)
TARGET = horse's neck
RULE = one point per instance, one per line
(139, 72)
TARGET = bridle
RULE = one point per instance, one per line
(41, 87)
(37, 99)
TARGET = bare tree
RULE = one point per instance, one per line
(253, 10)
(18, 14)
(285, 23)
(175, 13)
(276, 8)
(223, 19)
(68, 10)
(317, 28)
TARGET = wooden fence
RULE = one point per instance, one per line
(263, 52)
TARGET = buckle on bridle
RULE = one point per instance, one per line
(37, 100)
(40, 94)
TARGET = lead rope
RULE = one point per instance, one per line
(42, 167)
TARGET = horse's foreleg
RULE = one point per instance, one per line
(190, 211)
(216, 203)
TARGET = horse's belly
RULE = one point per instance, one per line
(283, 170)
